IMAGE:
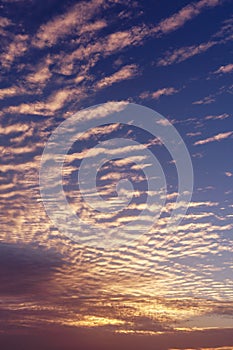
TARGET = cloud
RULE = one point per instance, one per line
(15, 128)
(24, 269)
(186, 14)
(11, 91)
(71, 22)
(222, 36)
(192, 134)
(226, 31)
(16, 48)
(126, 72)
(33, 82)
(225, 69)
(4, 23)
(116, 151)
(79, 20)
(56, 101)
(115, 42)
(158, 93)
(205, 101)
(183, 53)
(76, 18)
(217, 117)
(41, 73)
(97, 132)
(105, 47)
(121, 290)
(217, 137)
(228, 174)
(93, 27)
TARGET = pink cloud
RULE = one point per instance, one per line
(75, 19)
(124, 73)
(228, 174)
(187, 13)
(157, 94)
(217, 117)
(217, 137)
(183, 53)
(225, 69)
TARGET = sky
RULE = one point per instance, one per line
(135, 99)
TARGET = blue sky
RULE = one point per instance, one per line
(60, 57)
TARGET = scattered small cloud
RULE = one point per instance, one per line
(222, 36)
(11, 92)
(71, 22)
(228, 174)
(183, 53)
(205, 101)
(193, 134)
(16, 48)
(158, 93)
(41, 73)
(218, 137)
(126, 72)
(187, 13)
(4, 23)
(53, 103)
(217, 117)
(225, 69)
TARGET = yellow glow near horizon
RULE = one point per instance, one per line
(94, 321)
